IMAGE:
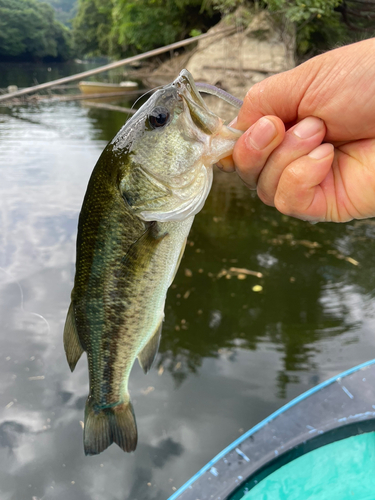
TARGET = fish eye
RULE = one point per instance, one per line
(159, 117)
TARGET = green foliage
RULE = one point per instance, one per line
(123, 27)
(298, 11)
(320, 34)
(65, 10)
(195, 32)
(92, 27)
(320, 25)
(140, 25)
(226, 7)
(359, 19)
(317, 24)
(28, 30)
(239, 13)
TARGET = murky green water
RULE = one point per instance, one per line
(229, 355)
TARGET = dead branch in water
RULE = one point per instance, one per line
(79, 97)
(116, 64)
(255, 70)
(109, 107)
(75, 97)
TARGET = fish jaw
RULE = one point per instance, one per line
(202, 117)
(219, 139)
(221, 144)
(169, 173)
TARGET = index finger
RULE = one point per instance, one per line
(279, 95)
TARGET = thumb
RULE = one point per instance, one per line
(278, 95)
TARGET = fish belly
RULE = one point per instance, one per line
(118, 319)
(143, 314)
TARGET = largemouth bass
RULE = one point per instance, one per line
(143, 194)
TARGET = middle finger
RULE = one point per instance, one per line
(299, 141)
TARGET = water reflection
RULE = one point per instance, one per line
(312, 286)
(229, 355)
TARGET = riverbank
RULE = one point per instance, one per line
(233, 62)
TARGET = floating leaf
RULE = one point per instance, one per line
(242, 270)
(352, 261)
(148, 390)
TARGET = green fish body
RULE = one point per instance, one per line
(139, 206)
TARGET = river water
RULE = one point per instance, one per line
(229, 355)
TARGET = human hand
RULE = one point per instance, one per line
(330, 99)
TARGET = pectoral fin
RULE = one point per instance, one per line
(140, 253)
(153, 194)
(72, 345)
(147, 356)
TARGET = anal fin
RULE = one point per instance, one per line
(72, 345)
(147, 356)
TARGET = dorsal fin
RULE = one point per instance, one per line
(148, 354)
(72, 345)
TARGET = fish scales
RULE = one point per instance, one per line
(112, 314)
(140, 203)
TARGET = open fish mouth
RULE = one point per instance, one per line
(185, 84)
(203, 118)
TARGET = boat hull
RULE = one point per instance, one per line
(342, 470)
(106, 88)
(337, 412)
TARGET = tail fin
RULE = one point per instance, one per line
(107, 426)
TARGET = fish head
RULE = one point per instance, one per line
(168, 149)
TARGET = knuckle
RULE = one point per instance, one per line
(251, 92)
(285, 196)
(282, 204)
(248, 163)
(254, 95)
(265, 197)
(247, 179)
(283, 155)
(292, 177)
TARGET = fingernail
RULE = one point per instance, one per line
(321, 151)
(308, 127)
(233, 122)
(262, 134)
(226, 164)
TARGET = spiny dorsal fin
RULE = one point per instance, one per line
(148, 354)
(72, 345)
